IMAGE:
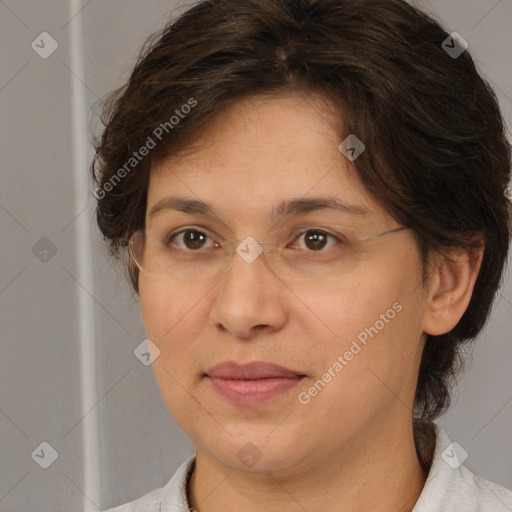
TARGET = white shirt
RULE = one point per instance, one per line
(450, 487)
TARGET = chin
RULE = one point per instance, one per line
(257, 454)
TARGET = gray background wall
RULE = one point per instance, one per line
(69, 320)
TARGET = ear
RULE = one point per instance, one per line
(452, 280)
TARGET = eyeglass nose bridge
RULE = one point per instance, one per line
(249, 249)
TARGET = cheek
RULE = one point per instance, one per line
(373, 332)
(344, 310)
(170, 321)
(367, 372)
(165, 308)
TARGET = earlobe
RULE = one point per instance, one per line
(451, 287)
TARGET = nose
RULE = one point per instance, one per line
(249, 297)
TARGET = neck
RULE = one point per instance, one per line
(379, 471)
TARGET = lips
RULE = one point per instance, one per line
(252, 383)
(250, 371)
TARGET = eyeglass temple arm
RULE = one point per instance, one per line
(388, 232)
(366, 239)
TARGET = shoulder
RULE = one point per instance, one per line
(451, 486)
(485, 495)
(150, 502)
(170, 498)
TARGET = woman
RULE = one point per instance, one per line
(312, 198)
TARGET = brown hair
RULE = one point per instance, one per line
(437, 155)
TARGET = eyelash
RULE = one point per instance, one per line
(171, 237)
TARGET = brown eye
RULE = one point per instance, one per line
(192, 239)
(316, 240)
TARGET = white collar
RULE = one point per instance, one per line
(450, 486)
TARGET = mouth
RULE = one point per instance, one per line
(252, 383)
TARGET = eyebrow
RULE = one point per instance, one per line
(284, 209)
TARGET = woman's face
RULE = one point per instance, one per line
(351, 343)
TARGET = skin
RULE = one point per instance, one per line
(351, 447)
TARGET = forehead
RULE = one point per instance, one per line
(258, 157)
